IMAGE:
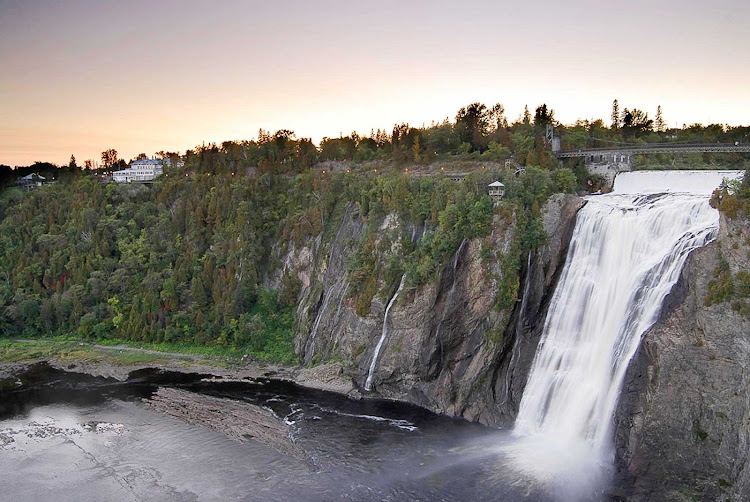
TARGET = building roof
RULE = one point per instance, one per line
(149, 162)
(496, 184)
(33, 176)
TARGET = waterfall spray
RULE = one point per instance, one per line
(626, 253)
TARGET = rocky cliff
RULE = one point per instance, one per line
(683, 424)
(448, 348)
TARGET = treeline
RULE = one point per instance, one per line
(482, 133)
(185, 259)
(477, 132)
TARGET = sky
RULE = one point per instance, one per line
(79, 77)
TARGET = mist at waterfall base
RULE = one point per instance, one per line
(74, 437)
(627, 251)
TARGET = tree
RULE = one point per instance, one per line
(496, 118)
(564, 179)
(543, 116)
(475, 118)
(416, 148)
(635, 122)
(88, 164)
(141, 156)
(659, 120)
(110, 158)
(72, 164)
(615, 115)
(305, 153)
(526, 115)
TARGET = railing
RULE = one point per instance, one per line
(656, 148)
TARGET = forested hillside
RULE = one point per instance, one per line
(184, 260)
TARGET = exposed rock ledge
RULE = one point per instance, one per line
(237, 419)
(683, 423)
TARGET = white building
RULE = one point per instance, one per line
(31, 181)
(141, 170)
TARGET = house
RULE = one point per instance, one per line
(496, 190)
(141, 170)
(31, 181)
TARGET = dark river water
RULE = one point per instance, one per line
(72, 437)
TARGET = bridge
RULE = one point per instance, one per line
(620, 153)
(607, 162)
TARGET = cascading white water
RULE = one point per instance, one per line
(368, 383)
(626, 253)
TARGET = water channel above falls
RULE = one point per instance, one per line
(162, 436)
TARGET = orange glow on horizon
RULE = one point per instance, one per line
(173, 76)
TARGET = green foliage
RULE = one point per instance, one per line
(532, 233)
(699, 433)
(445, 212)
(495, 335)
(721, 287)
(742, 284)
(183, 261)
(509, 284)
(266, 331)
(732, 198)
(180, 261)
(565, 180)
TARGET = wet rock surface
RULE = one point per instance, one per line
(239, 420)
(448, 349)
(683, 423)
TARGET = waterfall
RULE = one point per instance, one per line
(626, 253)
(368, 383)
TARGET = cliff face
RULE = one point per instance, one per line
(447, 348)
(683, 424)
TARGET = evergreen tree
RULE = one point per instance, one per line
(659, 120)
(615, 115)
(543, 116)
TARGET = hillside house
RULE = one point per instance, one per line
(31, 181)
(142, 170)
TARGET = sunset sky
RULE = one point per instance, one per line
(78, 77)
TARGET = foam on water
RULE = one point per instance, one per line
(627, 251)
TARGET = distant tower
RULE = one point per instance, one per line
(551, 139)
(496, 191)
(556, 144)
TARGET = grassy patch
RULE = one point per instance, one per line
(27, 351)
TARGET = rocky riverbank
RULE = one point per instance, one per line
(104, 362)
